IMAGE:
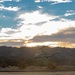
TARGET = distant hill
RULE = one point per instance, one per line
(62, 56)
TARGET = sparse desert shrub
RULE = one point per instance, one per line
(52, 66)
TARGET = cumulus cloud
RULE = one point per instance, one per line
(65, 35)
(39, 27)
(37, 23)
(34, 17)
(9, 8)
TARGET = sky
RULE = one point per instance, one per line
(37, 23)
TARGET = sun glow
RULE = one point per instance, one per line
(50, 44)
(68, 45)
(33, 24)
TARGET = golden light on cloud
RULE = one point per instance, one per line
(33, 24)
(21, 42)
(50, 44)
(66, 44)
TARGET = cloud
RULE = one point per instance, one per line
(8, 1)
(41, 27)
(65, 35)
(40, 7)
(54, 1)
(41, 23)
(34, 17)
(66, 44)
(4, 0)
(60, 1)
(18, 33)
(37, 1)
(34, 27)
(12, 42)
(9, 8)
(69, 13)
(36, 23)
(8, 33)
(17, 0)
